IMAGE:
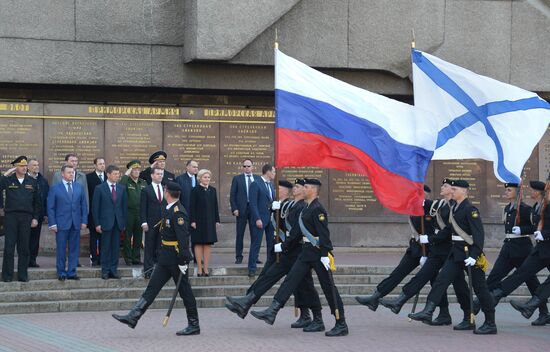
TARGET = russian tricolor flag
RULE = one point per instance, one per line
(327, 123)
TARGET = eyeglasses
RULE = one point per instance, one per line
(247, 165)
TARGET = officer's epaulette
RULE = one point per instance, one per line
(176, 209)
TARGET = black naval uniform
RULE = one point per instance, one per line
(174, 251)
(314, 218)
(21, 205)
(306, 295)
(468, 219)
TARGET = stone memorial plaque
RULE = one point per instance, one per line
(20, 136)
(128, 140)
(473, 171)
(292, 173)
(351, 195)
(544, 156)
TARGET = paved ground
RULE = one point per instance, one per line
(223, 331)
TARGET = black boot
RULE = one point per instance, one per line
(528, 308)
(426, 314)
(444, 318)
(544, 317)
(317, 324)
(370, 301)
(497, 295)
(131, 319)
(339, 329)
(396, 303)
(268, 315)
(303, 321)
(241, 304)
(465, 324)
(489, 327)
(193, 327)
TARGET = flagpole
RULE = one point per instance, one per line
(277, 212)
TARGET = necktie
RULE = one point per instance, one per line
(69, 189)
(248, 181)
(159, 194)
(269, 190)
(193, 181)
(113, 193)
(101, 177)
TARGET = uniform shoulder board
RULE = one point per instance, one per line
(180, 221)
(176, 209)
(322, 217)
(475, 213)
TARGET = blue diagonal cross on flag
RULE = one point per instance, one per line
(479, 117)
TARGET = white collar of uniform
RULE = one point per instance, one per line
(169, 205)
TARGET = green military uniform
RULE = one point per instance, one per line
(131, 246)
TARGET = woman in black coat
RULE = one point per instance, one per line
(205, 220)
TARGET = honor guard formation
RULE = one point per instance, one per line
(175, 220)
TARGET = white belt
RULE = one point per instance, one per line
(511, 235)
(307, 239)
(457, 238)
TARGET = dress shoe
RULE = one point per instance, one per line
(76, 278)
(24, 280)
(78, 265)
(259, 262)
(114, 276)
(34, 265)
(239, 261)
(251, 274)
(61, 278)
(7, 280)
(105, 276)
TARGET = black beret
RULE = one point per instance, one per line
(427, 189)
(20, 161)
(133, 164)
(460, 183)
(160, 155)
(173, 187)
(538, 185)
(300, 181)
(511, 185)
(447, 181)
(312, 181)
(285, 183)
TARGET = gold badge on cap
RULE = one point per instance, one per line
(180, 221)
(322, 217)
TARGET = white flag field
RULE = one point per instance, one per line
(479, 117)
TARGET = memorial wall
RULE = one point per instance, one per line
(219, 138)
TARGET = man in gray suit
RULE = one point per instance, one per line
(79, 177)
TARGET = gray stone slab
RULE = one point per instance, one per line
(477, 36)
(130, 21)
(61, 62)
(530, 62)
(222, 29)
(315, 32)
(380, 32)
(39, 19)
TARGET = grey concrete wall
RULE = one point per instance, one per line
(227, 44)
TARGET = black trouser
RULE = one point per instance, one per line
(305, 295)
(453, 272)
(160, 277)
(152, 246)
(503, 266)
(407, 264)
(95, 242)
(34, 242)
(297, 274)
(240, 227)
(428, 272)
(543, 291)
(531, 266)
(17, 227)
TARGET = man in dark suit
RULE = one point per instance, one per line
(188, 181)
(158, 160)
(152, 203)
(94, 178)
(238, 198)
(261, 196)
(110, 212)
(67, 214)
(44, 187)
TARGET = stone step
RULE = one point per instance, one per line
(160, 303)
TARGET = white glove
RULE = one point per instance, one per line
(276, 205)
(423, 239)
(516, 230)
(278, 248)
(423, 260)
(469, 261)
(183, 268)
(326, 262)
(538, 236)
